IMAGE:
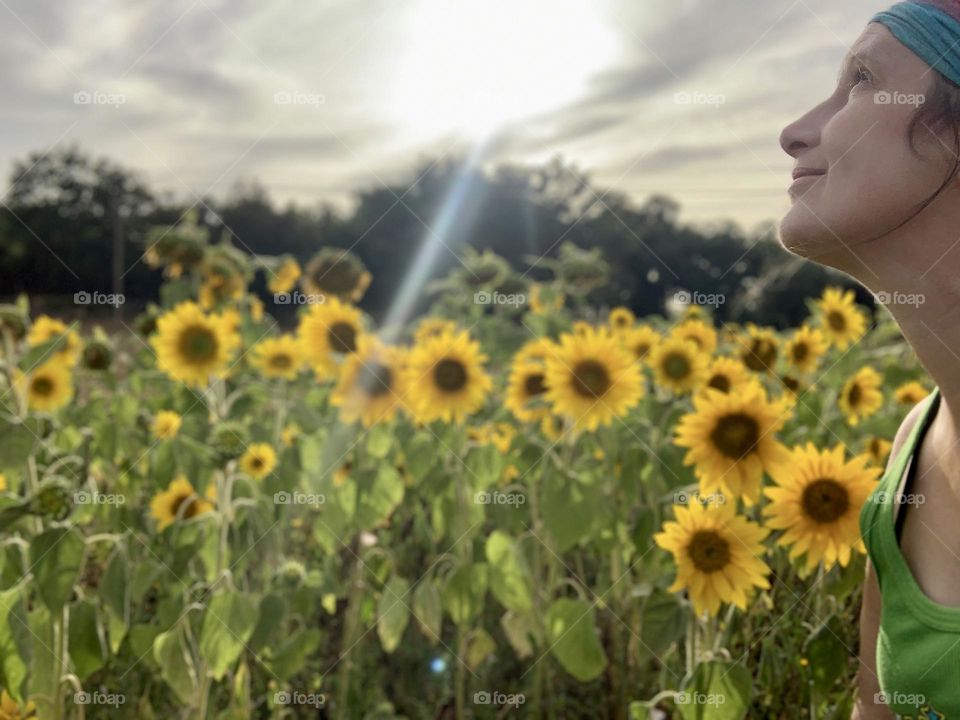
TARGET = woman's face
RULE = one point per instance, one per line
(863, 179)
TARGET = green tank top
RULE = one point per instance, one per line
(918, 646)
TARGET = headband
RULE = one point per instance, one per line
(931, 29)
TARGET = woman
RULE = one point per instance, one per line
(877, 195)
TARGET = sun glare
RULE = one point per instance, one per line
(472, 67)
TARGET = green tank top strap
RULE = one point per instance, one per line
(877, 517)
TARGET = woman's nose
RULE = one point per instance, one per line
(800, 135)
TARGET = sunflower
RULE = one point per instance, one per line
(703, 334)
(255, 308)
(279, 357)
(500, 435)
(445, 379)
(718, 555)
(178, 501)
(341, 474)
(432, 326)
(545, 299)
(678, 364)
(592, 379)
(3, 482)
(289, 434)
(46, 388)
(534, 351)
(369, 387)
(327, 332)
(11, 710)
(526, 391)
(336, 273)
(640, 340)
(910, 393)
(166, 424)
(555, 427)
(621, 318)
(193, 346)
(861, 395)
(805, 348)
(727, 374)
(841, 320)
(286, 276)
(759, 349)
(581, 328)
(877, 450)
(730, 440)
(46, 328)
(817, 501)
(259, 460)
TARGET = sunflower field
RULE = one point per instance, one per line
(518, 504)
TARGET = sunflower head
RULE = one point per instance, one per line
(194, 346)
(621, 318)
(46, 388)
(370, 385)
(817, 500)
(259, 460)
(444, 378)
(545, 299)
(46, 329)
(841, 321)
(759, 349)
(726, 374)
(279, 357)
(910, 393)
(178, 502)
(640, 340)
(678, 364)
(328, 332)
(804, 350)
(701, 333)
(526, 391)
(861, 395)
(336, 273)
(285, 276)
(166, 424)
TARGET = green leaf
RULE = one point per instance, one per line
(45, 666)
(662, 623)
(86, 644)
(420, 455)
(380, 440)
(521, 630)
(574, 641)
(717, 691)
(378, 497)
(509, 578)
(228, 624)
(16, 442)
(56, 556)
(827, 656)
(463, 594)
(480, 646)
(13, 669)
(569, 510)
(393, 613)
(427, 610)
(176, 665)
(291, 656)
(484, 466)
(273, 612)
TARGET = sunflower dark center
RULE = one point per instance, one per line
(342, 337)
(281, 362)
(336, 277)
(42, 386)
(534, 385)
(720, 382)
(676, 365)
(256, 462)
(825, 500)
(198, 344)
(641, 349)
(800, 352)
(837, 321)
(375, 379)
(761, 355)
(854, 395)
(450, 375)
(191, 509)
(590, 378)
(791, 383)
(735, 435)
(709, 551)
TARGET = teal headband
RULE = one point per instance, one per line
(930, 30)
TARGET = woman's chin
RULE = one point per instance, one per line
(803, 235)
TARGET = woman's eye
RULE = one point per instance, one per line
(861, 76)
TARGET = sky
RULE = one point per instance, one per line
(314, 100)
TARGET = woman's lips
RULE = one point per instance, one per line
(804, 177)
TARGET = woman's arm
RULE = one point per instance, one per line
(868, 706)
